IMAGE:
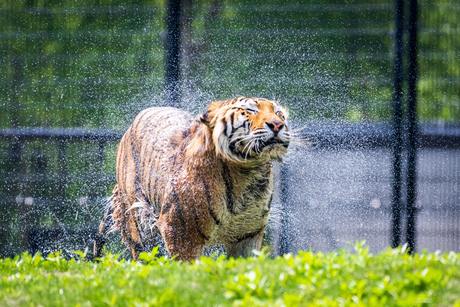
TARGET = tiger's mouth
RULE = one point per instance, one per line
(274, 141)
(252, 147)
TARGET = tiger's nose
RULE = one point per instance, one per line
(275, 126)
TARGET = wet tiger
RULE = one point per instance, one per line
(193, 182)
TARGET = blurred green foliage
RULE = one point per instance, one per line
(74, 63)
(341, 278)
(97, 63)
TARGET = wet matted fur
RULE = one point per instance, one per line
(197, 181)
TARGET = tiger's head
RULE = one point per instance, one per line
(243, 129)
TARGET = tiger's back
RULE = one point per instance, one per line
(147, 149)
(144, 158)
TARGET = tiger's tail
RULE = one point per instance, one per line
(107, 224)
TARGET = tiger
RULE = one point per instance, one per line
(192, 182)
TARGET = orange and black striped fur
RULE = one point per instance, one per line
(196, 182)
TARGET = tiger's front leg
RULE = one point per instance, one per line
(180, 234)
(245, 246)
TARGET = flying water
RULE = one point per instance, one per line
(98, 67)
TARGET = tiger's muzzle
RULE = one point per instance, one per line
(276, 138)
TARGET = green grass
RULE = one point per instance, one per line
(342, 278)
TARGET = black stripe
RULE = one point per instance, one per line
(234, 151)
(149, 205)
(206, 238)
(107, 221)
(140, 234)
(173, 158)
(152, 191)
(134, 127)
(249, 235)
(246, 127)
(173, 166)
(236, 129)
(229, 189)
(232, 144)
(270, 202)
(186, 133)
(155, 155)
(151, 114)
(136, 159)
(142, 155)
(138, 247)
(146, 121)
(204, 118)
(232, 147)
(151, 163)
(166, 206)
(265, 212)
(141, 139)
(208, 199)
(157, 113)
(232, 119)
(225, 125)
(180, 215)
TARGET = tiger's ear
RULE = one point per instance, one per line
(205, 118)
(208, 117)
(200, 143)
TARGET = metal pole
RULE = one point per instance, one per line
(397, 124)
(284, 235)
(173, 40)
(63, 174)
(412, 128)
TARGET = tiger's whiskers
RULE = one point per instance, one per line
(298, 137)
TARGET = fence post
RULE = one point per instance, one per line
(284, 244)
(412, 128)
(99, 165)
(397, 125)
(100, 154)
(18, 168)
(173, 41)
(62, 160)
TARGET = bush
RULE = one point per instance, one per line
(341, 278)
